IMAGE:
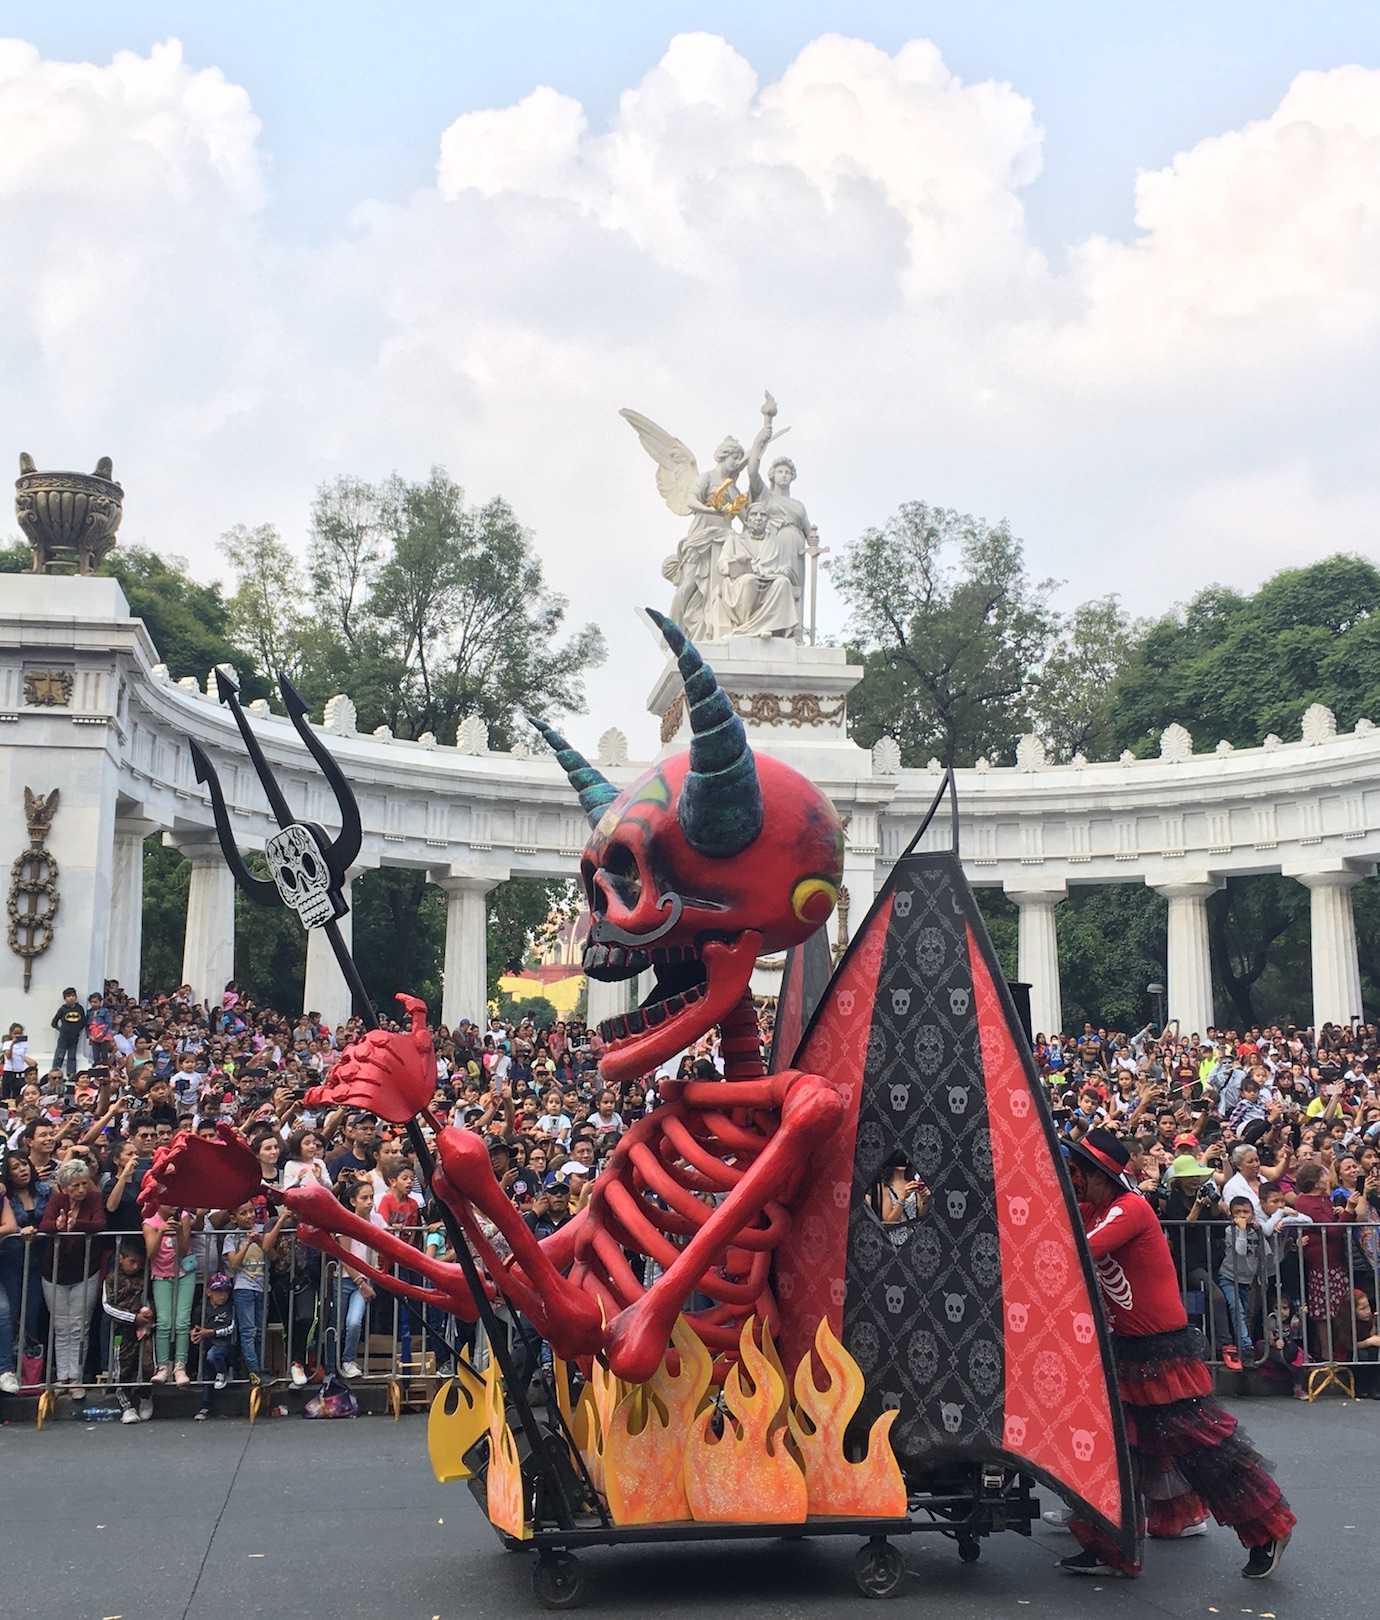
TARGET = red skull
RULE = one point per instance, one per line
(706, 860)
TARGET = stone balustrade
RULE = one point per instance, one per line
(1182, 820)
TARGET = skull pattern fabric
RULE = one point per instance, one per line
(932, 1112)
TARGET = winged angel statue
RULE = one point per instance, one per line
(719, 591)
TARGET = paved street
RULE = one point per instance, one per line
(182, 1521)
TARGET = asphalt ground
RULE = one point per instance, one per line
(174, 1520)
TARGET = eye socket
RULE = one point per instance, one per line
(621, 867)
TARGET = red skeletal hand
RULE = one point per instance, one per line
(195, 1173)
(389, 1073)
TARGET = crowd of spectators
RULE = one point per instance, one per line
(91, 1291)
(1259, 1148)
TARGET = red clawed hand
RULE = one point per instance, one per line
(196, 1174)
(390, 1074)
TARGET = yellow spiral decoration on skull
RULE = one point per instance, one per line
(813, 899)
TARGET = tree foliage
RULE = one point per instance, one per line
(1238, 666)
(950, 628)
(188, 621)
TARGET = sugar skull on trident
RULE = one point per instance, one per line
(709, 859)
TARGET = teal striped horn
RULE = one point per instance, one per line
(594, 788)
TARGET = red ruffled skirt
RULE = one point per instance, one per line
(1189, 1456)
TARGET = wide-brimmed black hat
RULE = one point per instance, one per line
(1105, 1152)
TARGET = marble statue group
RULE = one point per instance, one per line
(740, 568)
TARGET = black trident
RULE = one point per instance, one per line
(303, 849)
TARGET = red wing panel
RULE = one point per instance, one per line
(810, 1263)
(1059, 1415)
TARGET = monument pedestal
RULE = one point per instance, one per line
(793, 700)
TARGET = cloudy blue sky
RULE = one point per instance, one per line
(1112, 272)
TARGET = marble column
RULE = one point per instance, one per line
(1037, 954)
(466, 983)
(208, 952)
(125, 950)
(325, 990)
(1189, 968)
(1336, 967)
(608, 1000)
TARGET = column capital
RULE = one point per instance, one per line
(136, 827)
(1188, 888)
(201, 849)
(1339, 878)
(1050, 895)
(467, 882)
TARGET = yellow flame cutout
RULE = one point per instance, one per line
(459, 1415)
(644, 1456)
(504, 1491)
(745, 1472)
(819, 1420)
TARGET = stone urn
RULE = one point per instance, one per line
(69, 518)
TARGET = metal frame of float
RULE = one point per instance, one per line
(997, 1499)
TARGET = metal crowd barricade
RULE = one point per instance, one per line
(301, 1320)
(1310, 1308)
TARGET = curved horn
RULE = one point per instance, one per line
(721, 800)
(594, 788)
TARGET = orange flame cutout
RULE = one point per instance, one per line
(503, 1484)
(593, 1415)
(644, 1452)
(731, 1478)
(818, 1420)
(459, 1415)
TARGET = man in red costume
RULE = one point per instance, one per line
(1187, 1452)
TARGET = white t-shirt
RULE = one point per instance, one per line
(1239, 1187)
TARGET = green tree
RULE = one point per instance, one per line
(399, 936)
(950, 628)
(188, 622)
(16, 557)
(1239, 666)
(1072, 691)
(270, 948)
(541, 1011)
(166, 877)
(1112, 943)
(266, 611)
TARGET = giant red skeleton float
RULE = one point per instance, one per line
(671, 887)
(976, 1333)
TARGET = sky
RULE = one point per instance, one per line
(1112, 273)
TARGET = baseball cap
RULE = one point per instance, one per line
(1186, 1140)
(573, 1167)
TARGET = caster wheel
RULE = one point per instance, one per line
(878, 1569)
(557, 1581)
(969, 1549)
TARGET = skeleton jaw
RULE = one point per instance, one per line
(697, 986)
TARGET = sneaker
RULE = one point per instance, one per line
(1199, 1529)
(1087, 1563)
(180, 1375)
(1231, 1357)
(129, 1415)
(161, 1376)
(221, 1381)
(146, 1409)
(9, 1384)
(202, 1415)
(76, 1393)
(350, 1370)
(1057, 1518)
(1265, 1560)
(299, 1375)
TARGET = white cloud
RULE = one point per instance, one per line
(1194, 402)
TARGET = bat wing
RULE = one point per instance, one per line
(977, 1316)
